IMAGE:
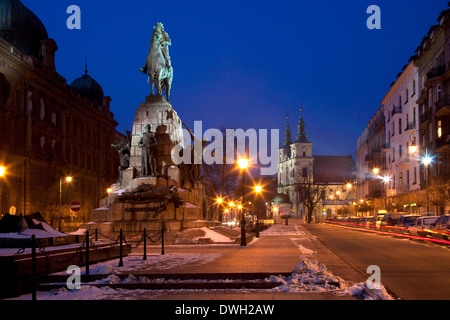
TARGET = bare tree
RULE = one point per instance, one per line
(220, 179)
(310, 191)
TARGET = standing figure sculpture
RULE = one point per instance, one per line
(147, 143)
(123, 148)
(158, 66)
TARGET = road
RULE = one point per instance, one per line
(411, 270)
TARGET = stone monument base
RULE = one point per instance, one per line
(130, 217)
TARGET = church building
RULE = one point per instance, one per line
(323, 183)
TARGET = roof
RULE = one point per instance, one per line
(281, 198)
(334, 169)
(21, 27)
(88, 87)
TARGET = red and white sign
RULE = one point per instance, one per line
(75, 206)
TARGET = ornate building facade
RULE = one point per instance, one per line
(332, 178)
(49, 129)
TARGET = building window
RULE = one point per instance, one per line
(407, 177)
(438, 93)
(439, 128)
(430, 132)
(305, 172)
(400, 151)
(400, 179)
(414, 88)
(400, 126)
(415, 175)
(430, 98)
(407, 95)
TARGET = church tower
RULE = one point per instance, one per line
(301, 151)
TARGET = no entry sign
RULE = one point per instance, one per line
(75, 206)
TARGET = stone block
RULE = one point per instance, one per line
(127, 176)
(192, 213)
(173, 173)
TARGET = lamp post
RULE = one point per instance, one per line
(426, 161)
(66, 179)
(258, 190)
(243, 164)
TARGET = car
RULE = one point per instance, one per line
(367, 221)
(441, 228)
(376, 222)
(389, 222)
(404, 222)
(421, 227)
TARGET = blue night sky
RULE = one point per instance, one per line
(245, 64)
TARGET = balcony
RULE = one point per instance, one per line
(423, 117)
(411, 126)
(443, 107)
(435, 72)
(443, 144)
(396, 110)
(403, 161)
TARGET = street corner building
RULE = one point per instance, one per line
(312, 187)
(411, 125)
(49, 129)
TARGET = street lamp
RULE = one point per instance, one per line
(258, 190)
(426, 161)
(66, 179)
(2, 171)
(243, 164)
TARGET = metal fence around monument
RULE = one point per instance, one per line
(86, 244)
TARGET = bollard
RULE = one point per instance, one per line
(87, 254)
(33, 267)
(145, 245)
(120, 251)
(162, 239)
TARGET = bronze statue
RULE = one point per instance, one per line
(193, 171)
(158, 65)
(147, 193)
(123, 148)
(147, 143)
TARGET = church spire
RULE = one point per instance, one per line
(301, 135)
(287, 134)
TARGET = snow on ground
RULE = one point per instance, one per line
(277, 229)
(215, 236)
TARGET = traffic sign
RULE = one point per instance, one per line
(75, 206)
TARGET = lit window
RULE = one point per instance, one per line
(439, 128)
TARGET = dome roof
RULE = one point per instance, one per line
(21, 27)
(281, 198)
(88, 87)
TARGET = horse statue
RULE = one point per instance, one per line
(158, 66)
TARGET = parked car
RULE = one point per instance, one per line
(422, 225)
(441, 228)
(404, 222)
(389, 222)
(367, 221)
(376, 222)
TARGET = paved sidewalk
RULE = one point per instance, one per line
(268, 254)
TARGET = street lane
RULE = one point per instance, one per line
(409, 269)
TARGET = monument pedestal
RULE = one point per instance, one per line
(113, 215)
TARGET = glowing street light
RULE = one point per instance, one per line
(426, 161)
(67, 179)
(2, 171)
(243, 164)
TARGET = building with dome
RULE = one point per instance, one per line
(326, 180)
(48, 128)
